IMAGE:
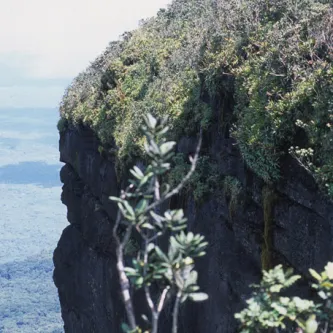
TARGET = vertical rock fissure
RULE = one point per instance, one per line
(269, 198)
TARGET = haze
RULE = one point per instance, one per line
(44, 43)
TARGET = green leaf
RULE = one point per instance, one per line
(145, 179)
(167, 189)
(141, 206)
(322, 294)
(163, 131)
(193, 288)
(138, 171)
(154, 148)
(116, 199)
(311, 324)
(292, 280)
(190, 236)
(130, 271)
(150, 247)
(329, 270)
(139, 281)
(151, 121)
(280, 309)
(125, 328)
(178, 214)
(136, 176)
(161, 255)
(129, 208)
(183, 298)
(167, 147)
(173, 249)
(167, 215)
(192, 279)
(198, 297)
(178, 228)
(124, 212)
(327, 284)
(179, 280)
(159, 219)
(276, 288)
(147, 226)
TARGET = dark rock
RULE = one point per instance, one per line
(85, 273)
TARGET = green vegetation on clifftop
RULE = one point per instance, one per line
(273, 59)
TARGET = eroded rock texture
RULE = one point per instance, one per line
(291, 223)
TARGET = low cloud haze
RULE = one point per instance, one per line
(44, 43)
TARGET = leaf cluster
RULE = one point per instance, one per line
(269, 309)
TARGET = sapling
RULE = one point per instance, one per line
(140, 211)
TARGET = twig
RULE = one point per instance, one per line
(175, 313)
(147, 291)
(162, 299)
(124, 282)
(156, 313)
(153, 238)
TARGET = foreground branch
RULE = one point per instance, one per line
(175, 313)
(136, 214)
(124, 282)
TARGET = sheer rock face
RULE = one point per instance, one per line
(298, 221)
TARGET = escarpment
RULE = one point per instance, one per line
(262, 191)
(298, 223)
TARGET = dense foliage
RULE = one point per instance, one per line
(270, 310)
(28, 297)
(271, 61)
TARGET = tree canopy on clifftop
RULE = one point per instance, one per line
(268, 61)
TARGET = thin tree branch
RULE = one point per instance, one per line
(127, 236)
(149, 299)
(162, 299)
(154, 316)
(147, 290)
(153, 238)
(115, 228)
(124, 282)
(176, 312)
(154, 322)
(156, 313)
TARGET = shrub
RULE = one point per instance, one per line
(269, 310)
(204, 181)
(62, 125)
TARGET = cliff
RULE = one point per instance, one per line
(261, 194)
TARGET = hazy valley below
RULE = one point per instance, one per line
(31, 220)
